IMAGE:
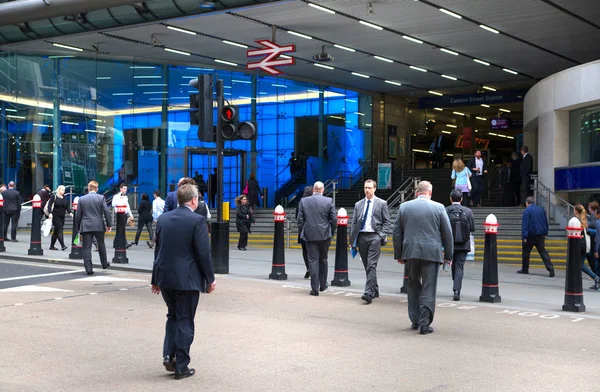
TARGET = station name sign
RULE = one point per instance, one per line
(472, 99)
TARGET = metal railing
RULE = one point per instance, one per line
(557, 209)
(404, 192)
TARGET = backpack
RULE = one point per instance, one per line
(460, 225)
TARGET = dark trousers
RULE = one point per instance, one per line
(57, 233)
(593, 262)
(304, 253)
(524, 188)
(140, 227)
(477, 189)
(14, 218)
(539, 242)
(516, 188)
(369, 246)
(466, 198)
(87, 249)
(179, 330)
(508, 195)
(243, 241)
(422, 287)
(458, 268)
(317, 263)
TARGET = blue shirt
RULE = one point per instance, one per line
(462, 177)
(534, 221)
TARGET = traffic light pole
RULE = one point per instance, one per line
(220, 148)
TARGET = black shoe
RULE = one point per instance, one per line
(314, 292)
(53, 248)
(89, 272)
(426, 330)
(307, 275)
(324, 288)
(523, 271)
(414, 326)
(184, 373)
(105, 266)
(367, 298)
(65, 247)
(456, 296)
(239, 248)
(129, 245)
(15, 240)
(169, 363)
(244, 248)
(551, 271)
(149, 244)
(376, 295)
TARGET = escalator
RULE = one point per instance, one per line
(287, 194)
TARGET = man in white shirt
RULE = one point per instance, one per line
(158, 207)
(478, 168)
(121, 199)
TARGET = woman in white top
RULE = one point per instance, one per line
(461, 174)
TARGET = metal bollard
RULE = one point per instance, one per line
(35, 245)
(2, 247)
(76, 250)
(489, 286)
(278, 264)
(120, 238)
(340, 272)
(573, 284)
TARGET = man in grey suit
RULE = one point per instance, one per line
(370, 225)
(422, 228)
(316, 223)
(88, 219)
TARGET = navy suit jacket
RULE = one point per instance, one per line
(182, 259)
(535, 221)
(171, 201)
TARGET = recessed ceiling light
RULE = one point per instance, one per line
(459, 113)
(263, 93)
(181, 30)
(485, 106)
(68, 47)
(449, 51)
(299, 34)
(154, 92)
(510, 71)
(44, 114)
(225, 62)
(235, 44)
(505, 110)
(96, 120)
(359, 113)
(438, 109)
(103, 78)
(70, 123)
(451, 126)
(499, 135)
(493, 134)
(146, 77)
(323, 66)
(360, 75)
(154, 85)
(344, 48)
(350, 100)
(241, 81)
(449, 77)
(141, 67)
(481, 118)
(321, 8)
(15, 110)
(489, 29)
(418, 69)
(42, 125)
(117, 94)
(412, 39)
(383, 59)
(481, 62)
(279, 85)
(445, 11)
(435, 93)
(489, 88)
(374, 26)
(178, 51)
(394, 83)
(13, 116)
(447, 132)
(510, 137)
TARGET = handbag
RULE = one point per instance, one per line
(245, 191)
(587, 242)
(469, 183)
(46, 227)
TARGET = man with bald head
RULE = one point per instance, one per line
(316, 224)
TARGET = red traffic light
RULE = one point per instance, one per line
(229, 113)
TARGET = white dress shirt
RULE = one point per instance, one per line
(479, 165)
(368, 228)
(120, 199)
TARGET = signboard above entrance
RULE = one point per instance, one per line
(472, 99)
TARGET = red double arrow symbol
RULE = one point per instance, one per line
(273, 51)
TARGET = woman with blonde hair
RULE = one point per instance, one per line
(584, 244)
(243, 220)
(460, 175)
(58, 207)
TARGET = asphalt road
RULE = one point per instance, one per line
(71, 332)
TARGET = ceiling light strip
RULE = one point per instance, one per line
(438, 109)
(455, 15)
(299, 34)
(418, 41)
(225, 62)
(178, 51)
(383, 59)
(482, 62)
(344, 48)
(488, 88)
(321, 8)
(181, 30)
(510, 71)
(371, 25)
(234, 44)
(323, 66)
(360, 75)
(489, 29)
(394, 83)
(449, 51)
(435, 93)
(418, 69)
(449, 77)
(67, 47)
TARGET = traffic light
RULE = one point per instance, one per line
(201, 108)
(232, 129)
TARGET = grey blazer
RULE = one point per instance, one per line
(317, 219)
(380, 219)
(421, 229)
(90, 209)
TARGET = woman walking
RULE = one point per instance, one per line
(585, 245)
(144, 218)
(243, 220)
(58, 207)
(461, 174)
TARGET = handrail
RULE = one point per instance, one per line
(399, 195)
(543, 195)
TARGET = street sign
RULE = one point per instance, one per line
(272, 51)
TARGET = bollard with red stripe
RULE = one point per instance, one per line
(404, 288)
(120, 238)
(76, 250)
(573, 283)
(340, 273)
(35, 245)
(489, 286)
(2, 247)
(278, 267)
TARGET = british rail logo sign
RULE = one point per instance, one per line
(272, 51)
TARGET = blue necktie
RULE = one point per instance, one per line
(364, 219)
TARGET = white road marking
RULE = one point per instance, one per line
(58, 299)
(32, 288)
(107, 279)
(39, 275)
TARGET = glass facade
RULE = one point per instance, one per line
(68, 120)
(585, 136)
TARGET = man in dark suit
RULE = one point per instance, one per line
(526, 169)
(182, 268)
(12, 210)
(515, 179)
(317, 221)
(505, 185)
(421, 230)
(478, 167)
(89, 220)
(212, 180)
(463, 224)
(171, 199)
(370, 225)
(534, 230)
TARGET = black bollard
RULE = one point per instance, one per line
(76, 250)
(219, 245)
(35, 245)
(2, 247)
(489, 285)
(404, 288)
(278, 267)
(120, 238)
(340, 272)
(573, 282)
